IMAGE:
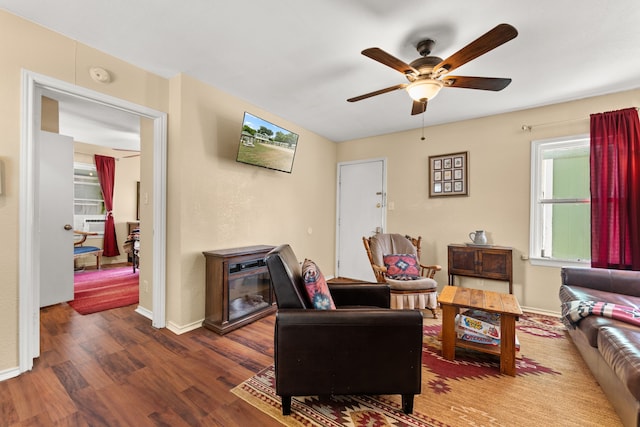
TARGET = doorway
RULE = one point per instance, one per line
(361, 212)
(29, 311)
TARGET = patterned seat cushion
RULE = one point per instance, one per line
(420, 284)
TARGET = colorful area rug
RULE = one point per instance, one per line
(553, 386)
(100, 290)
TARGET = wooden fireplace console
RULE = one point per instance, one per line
(238, 288)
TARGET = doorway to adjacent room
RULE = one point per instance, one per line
(29, 267)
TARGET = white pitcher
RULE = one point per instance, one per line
(478, 237)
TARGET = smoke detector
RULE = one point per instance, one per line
(99, 75)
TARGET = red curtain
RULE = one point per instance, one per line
(106, 167)
(615, 190)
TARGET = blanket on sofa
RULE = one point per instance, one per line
(574, 311)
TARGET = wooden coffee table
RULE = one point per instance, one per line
(453, 298)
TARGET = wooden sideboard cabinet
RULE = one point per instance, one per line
(485, 262)
(238, 288)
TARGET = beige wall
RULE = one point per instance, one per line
(499, 180)
(50, 117)
(215, 202)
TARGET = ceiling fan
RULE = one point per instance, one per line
(428, 74)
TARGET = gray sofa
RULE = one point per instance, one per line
(611, 348)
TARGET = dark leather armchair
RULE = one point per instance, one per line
(362, 347)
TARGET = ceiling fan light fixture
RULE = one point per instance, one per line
(423, 89)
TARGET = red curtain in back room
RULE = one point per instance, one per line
(106, 168)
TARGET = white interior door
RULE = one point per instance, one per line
(361, 212)
(55, 217)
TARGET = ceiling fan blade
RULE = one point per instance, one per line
(483, 83)
(418, 107)
(489, 41)
(389, 60)
(377, 92)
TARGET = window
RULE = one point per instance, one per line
(88, 204)
(560, 202)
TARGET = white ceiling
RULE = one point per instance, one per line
(96, 124)
(301, 60)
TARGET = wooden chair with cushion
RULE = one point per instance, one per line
(358, 347)
(411, 282)
(80, 250)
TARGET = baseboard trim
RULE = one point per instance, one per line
(176, 329)
(9, 373)
(179, 330)
(144, 312)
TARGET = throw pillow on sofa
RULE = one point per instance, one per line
(316, 286)
(402, 266)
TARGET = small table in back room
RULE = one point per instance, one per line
(453, 298)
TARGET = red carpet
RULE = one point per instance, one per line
(105, 289)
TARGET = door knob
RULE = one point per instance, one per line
(68, 227)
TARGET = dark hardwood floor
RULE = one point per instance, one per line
(113, 369)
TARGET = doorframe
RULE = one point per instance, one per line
(29, 245)
(339, 189)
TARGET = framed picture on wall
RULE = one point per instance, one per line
(448, 175)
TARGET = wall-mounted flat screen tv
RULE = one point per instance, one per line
(267, 145)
